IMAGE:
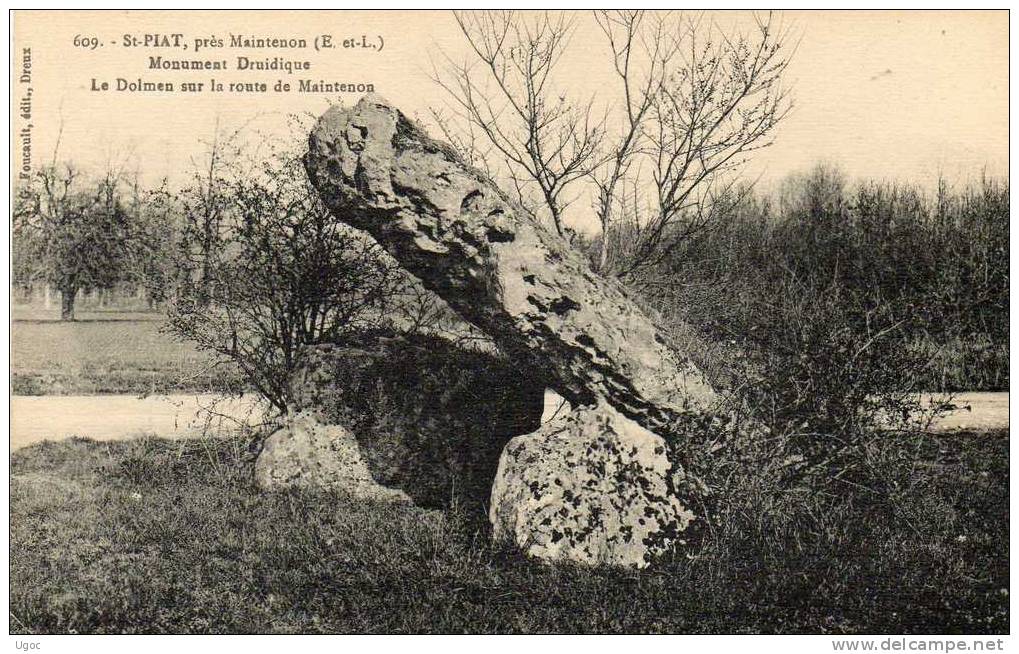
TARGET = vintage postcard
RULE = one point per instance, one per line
(510, 322)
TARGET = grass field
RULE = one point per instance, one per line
(108, 353)
(160, 536)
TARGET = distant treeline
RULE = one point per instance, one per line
(928, 269)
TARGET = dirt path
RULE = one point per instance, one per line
(977, 411)
(118, 417)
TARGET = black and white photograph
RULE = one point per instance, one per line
(687, 322)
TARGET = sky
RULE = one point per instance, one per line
(906, 96)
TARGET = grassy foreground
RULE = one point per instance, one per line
(157, 536)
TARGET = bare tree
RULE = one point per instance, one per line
(820, 191)
(158, 225)
(636, 39)
(721, 103)
(203, 202)
(694, 101)
(542, 138)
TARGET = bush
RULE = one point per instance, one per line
(829, 374)
(828, 312)
(265, 269)
(940, 263)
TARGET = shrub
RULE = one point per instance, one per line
(939, 261)
(265, 269)
(825, 315)
(826, 312)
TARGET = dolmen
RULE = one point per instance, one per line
(597, 484)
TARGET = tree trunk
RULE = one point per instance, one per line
(605, 217)
(603, 252)
(67, 294)
(556, 216)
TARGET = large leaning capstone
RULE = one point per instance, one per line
(497, 267)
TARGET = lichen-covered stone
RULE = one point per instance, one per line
(497, 267)
(592, 487)
(307, 454)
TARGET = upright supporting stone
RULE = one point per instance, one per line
(591, 486)
(304, 453)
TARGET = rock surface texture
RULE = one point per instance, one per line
(496, 266)
(592, 486)
(306, 453)
(595, 485)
